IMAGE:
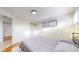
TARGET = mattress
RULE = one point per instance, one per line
(42, 44)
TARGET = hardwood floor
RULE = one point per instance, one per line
(6, 38)
(7, 46)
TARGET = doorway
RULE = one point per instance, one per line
(7, 29)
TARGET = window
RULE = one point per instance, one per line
(51, 23)
(46, 24)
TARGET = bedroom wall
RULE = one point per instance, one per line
(76, 20)
(21, 30)
(63, 30)
(76, 26)
(20, 27)
(1, 29)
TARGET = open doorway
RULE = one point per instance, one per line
(7, 29)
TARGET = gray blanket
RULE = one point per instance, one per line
(38, 43)
(42, 44)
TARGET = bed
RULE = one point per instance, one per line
(42, 44)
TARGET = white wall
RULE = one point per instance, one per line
(1, 29)
(20, 27)
(76, 20)
(63, 30)
(76, 17)
(21, 30)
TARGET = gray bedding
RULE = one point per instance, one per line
(38, 43)
(42, 44)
